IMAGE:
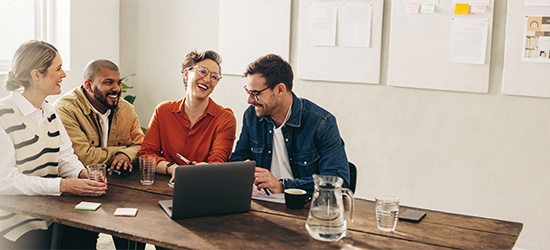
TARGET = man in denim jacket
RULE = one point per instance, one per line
(290, 138)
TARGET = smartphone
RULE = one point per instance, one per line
(121, 172)
(412, 215)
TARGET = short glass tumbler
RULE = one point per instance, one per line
(147, 165)
(387, 210)
(97, 172)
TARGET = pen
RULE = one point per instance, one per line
(184, 159)
(267, 191)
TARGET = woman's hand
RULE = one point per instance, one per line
(83, 187)
(172, 174)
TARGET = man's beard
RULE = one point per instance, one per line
(103, 98)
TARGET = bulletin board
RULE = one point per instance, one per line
(422, 47)
(252, 28)
(343, 44)
(520, 76)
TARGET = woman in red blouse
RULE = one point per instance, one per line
(195, 127)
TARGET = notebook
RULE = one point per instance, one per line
(211, 189)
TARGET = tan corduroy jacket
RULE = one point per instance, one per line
(82, 124)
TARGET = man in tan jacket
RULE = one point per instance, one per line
(103, 127)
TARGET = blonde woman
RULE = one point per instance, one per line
(36, 155)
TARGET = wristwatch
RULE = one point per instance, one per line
(168, 166)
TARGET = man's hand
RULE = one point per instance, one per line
(264, 179)
(120, 161)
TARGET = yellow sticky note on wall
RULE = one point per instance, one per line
(462, 8)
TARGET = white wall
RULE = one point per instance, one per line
(94, 33)
(477, 154)
(92, 36)
(155, 36)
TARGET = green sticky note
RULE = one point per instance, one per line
(427, 8)
(88, 206)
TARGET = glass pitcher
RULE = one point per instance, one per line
(326, 221)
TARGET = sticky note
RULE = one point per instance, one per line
(88, 206)
(462, 8)
(427, 8)
(130, 212)
(412, 8)
(478, 8)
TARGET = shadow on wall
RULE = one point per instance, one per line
(129, 98)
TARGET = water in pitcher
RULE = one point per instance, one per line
(326, 221)
(326, 225)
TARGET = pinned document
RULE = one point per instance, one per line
(468, 40)
(356, 25)
(322, 20)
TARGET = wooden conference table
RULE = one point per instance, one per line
(267, 226)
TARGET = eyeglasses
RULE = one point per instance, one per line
(255, 94)
(203, 71)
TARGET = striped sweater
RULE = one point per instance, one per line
(36, 154)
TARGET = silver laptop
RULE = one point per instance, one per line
(211, 189)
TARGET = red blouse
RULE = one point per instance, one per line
(210, 140)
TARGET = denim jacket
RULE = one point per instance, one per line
(312, 141)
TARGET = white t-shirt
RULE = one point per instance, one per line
(280, 166)
(104, 123)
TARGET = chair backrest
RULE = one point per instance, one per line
(352, 177)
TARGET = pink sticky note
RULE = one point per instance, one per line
(478, 8)
(129, 212)
(413, 8)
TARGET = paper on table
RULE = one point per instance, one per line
(88, 206)
(261, 195)
(277, 198)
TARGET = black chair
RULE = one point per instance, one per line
(352, 177)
